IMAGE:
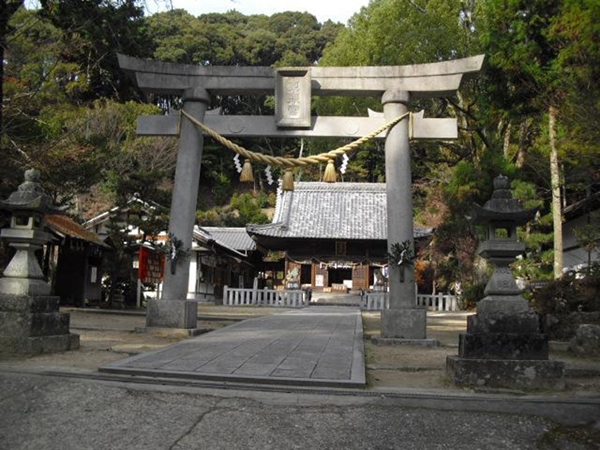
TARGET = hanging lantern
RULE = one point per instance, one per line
(330, 176)
(288, 180)
(247, 175)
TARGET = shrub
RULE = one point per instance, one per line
(472, 294)
(576, 291)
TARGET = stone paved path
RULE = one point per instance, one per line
(315, 346)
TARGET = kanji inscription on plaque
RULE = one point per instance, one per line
(292, 98)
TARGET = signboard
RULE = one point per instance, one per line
(151, 265)
(319, 280)
(292, 285)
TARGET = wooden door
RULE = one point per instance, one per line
(360, 277)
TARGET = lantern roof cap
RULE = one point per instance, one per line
(502, 207)
(29, 195)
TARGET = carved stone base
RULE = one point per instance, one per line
(396, 341)
(32, 325)
(506, 373)
(503, 346)
(170, 332)
(24, 286)
(172, 314)
(34, 345)
(404, 323)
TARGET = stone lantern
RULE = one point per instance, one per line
(503, 346)
(30, 320)
(501, 215)
(28, 205)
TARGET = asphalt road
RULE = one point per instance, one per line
(44, 411)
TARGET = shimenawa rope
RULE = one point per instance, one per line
(291, 162)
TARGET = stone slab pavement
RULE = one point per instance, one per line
(315, 346)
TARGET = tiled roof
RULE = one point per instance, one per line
(201, 235)
(103, 217)
(236, 238)
(68, 227)
(330, 211)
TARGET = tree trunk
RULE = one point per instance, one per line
(506, 144)
(523, 141)
(556, 194)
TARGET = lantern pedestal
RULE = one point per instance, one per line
(503, 346)
(506, 373)
(33, 324)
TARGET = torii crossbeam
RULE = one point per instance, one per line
(293, 89)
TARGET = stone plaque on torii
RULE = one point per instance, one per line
(293, 89)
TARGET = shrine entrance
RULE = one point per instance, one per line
(293, 89)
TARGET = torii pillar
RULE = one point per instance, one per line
(293, 87)
(174, 311)
(401, 319)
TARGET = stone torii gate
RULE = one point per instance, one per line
(293, 88)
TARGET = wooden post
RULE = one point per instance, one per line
(138, 297)
(254, 299)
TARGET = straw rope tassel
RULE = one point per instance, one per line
(247, 174)
(288, 180)
(330, 176)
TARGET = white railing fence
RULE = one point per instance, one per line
(376, 301)
(438, 302)
(263, 297)
(373, 301)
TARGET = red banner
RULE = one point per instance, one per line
(151, 265)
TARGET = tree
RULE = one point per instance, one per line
(7, 9)
(92, 33)
(399, 32)
(576, 32)
(35, 79)
(57, 60)
(524, 78)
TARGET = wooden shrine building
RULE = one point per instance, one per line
(329, 236)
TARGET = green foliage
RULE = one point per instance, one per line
(249, 209)
(392, 32)
(472, 294)
(537, 236)
(98, 146)
(521, 53)
(574, 292)
(401, 254)
(241, 210)
(221, 187)
(283, 39)
(588, 235)
(76, 145)
(92, 33)
(577, 32)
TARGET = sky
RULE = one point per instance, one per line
(336, 10)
